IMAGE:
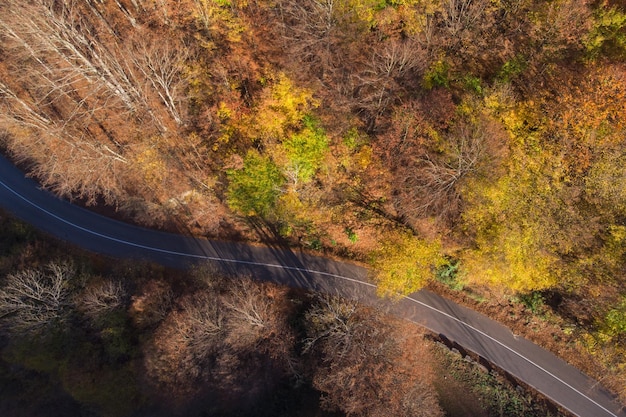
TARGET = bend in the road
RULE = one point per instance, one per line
(551, 376)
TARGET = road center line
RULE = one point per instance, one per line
(293, 268)
(469, 326)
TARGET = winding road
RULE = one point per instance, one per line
(494, 343)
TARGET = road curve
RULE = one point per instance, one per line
(562, 383)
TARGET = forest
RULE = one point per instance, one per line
(85, 335)
(476, 147)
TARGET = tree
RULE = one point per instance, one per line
(431, 184)
(404, 263)
(79, 79)
(311, 27)
(513, 256)
(546, 220)
(305, 151)
(366, 54)
(559, 26)
(150, 304)
(253, 314)
(368, 364)
(395, 69)
(219, 336)
(101, 297)
(614, 324)
(461, 15)
(608, 32)
(281, 110)
(32, 299)
(603, 183)
(524, 224)
(51, 37)
(254, 188)
(291, 146)
(178, 356)
(330, 319)
(161, 64)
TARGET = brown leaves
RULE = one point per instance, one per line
(219, 333)
(369, 364)
(432, 152)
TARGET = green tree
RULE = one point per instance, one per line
(305, 151)
(254, 189)
(608, 33)
(614, 324)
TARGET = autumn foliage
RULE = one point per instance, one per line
(399, 132)
(120, 338)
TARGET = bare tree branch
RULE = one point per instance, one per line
(102, 298)
(32, 299)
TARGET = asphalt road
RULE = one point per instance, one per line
(551, 376)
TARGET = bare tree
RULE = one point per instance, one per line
(462, 14)
(333, 319)
(101, 298)
(429, 185)
(56, 40)
(79, 58)
(395, 66)
(363, 368)
(205, 323)
(32, 299)
(19, 111)
(75, 88)
(161, 65)
(218, 336)
(310, 28)
(255, 317)
(249, 304)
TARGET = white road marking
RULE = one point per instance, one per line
(293, 268)
(469, 326)
(183, 254)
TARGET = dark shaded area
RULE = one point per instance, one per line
(29, 393)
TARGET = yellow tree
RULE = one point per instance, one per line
(513, 222)
(546, 221)
(405, 263)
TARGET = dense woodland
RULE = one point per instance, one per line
(475, 145)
